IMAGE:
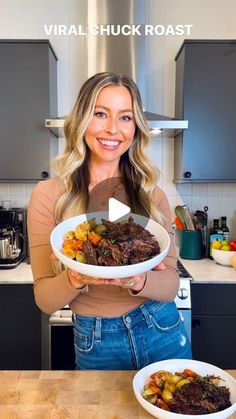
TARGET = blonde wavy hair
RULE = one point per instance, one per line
(138, 174)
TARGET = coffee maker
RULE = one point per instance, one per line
(13, 237)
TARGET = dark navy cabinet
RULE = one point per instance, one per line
(20, 328)
(28, 86)
(214, 323)
(206, 97)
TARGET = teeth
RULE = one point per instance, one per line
(108, 142)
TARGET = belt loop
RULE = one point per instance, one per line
(97, 331)
(146, 315)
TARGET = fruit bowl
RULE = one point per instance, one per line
(223, 257)
(142, 377)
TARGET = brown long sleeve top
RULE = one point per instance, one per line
(53, 292)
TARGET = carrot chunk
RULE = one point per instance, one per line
(190, 373)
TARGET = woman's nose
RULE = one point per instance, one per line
(112, 126)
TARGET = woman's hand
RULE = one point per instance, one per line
(135, 283)
(160, 267)
(78, 280)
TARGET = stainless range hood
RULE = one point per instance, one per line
(122, 54)
(157, 123)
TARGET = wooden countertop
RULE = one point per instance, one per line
(70, 394)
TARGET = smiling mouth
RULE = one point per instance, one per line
(109, 143)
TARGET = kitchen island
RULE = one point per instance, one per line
(70, 394)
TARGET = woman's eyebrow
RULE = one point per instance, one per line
(108, 109)
(127, 110)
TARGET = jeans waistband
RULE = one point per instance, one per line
(134, 316)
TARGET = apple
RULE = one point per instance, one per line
(224, 243)
(226, 248)
(233, 245)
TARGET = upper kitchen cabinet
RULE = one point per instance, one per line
(206, 97)
(28, 86)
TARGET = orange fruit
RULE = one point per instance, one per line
(233, 261)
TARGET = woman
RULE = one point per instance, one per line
(119, 323)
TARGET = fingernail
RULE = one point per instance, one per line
(74, 274)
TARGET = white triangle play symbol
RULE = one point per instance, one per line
(116, 209)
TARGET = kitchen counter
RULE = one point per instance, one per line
(207, 270)
(22, 274)
(203, 270)
(70, 394)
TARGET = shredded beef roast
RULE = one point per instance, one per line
(122, 244)
(200, 397)
(90, 253)
(108, 254)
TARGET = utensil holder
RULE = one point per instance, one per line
(190, 245)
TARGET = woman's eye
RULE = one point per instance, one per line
(100, 114)
(126, 118)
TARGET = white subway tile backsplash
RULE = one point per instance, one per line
(184, 200)
(199, 202)
(229, 204)
(215, 188)
(172, 202)
(18, 193)
(232, 227)
(4, 192)
(199, 189)
(168, 186)
(215, 206)
(17, 189)
(155, 152)
(184, 189)
(160, 181)
(18, 201)
(4, 188)
(29, 188)
(229, 189)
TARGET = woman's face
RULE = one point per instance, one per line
(112, 128)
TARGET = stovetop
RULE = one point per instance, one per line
(183, 273)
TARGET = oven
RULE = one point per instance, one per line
(61, 354)
(183, 297)
(60, 331)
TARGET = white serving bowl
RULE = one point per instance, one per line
(154, 228)
(177, 365)
(223, 257)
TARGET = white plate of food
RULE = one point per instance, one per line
(179, 396)
(124, 256)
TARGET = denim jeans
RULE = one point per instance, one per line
(152, 332)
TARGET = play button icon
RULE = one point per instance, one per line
(110, 197)
(116, 209)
